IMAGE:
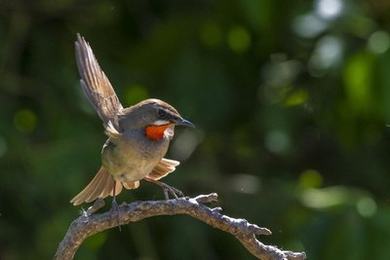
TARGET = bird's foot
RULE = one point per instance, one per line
(167, 189)
(176, 193)
(84, 215)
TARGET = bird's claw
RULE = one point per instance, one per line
(176, 193)
(114, 205)
(169, 190)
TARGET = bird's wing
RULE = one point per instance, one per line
(163, 168)
(95, 84)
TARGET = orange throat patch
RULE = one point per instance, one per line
(156, 132)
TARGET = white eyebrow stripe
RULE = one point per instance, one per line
(161, 122)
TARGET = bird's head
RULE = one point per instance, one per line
(157, 117)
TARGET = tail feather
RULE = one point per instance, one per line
(130, 185)
(118, 187)
(109, 186)
(106, 183)
(96, 187)
(101, 186)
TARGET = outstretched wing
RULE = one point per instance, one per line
(95, 84)
(163, 168)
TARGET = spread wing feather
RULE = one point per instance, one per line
(95, 84)
(163, 168)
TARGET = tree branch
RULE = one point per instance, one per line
(88, 225)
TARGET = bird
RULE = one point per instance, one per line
(138, 136)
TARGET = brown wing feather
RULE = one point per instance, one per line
(163, 168)
(95, 84)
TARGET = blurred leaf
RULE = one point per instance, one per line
(310, 179)
(239, 39)
(25, 120)
(297, 97)
(358, 82)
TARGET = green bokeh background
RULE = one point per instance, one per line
(291, 100)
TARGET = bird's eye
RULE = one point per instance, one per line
(162, 114)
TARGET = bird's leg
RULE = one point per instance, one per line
(115, 206)
(166, 195)
(166, 188)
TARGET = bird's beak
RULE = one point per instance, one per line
(184, 122)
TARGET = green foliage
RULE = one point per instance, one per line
(291, 100)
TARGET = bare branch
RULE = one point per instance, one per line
(87, 225)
